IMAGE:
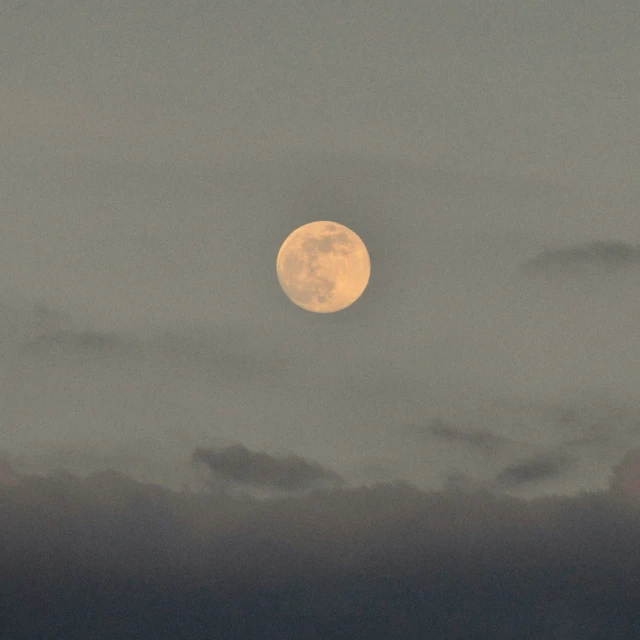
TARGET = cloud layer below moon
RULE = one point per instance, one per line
(108, 557)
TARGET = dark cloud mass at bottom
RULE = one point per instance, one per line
(108, 557)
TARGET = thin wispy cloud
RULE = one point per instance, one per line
(239, 467)
(599, 254)
(539, 468)
(477, 438)
(69, 339)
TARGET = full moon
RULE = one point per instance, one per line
(323, 266)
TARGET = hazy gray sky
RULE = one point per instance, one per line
(155, 155)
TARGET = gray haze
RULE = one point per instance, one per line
(155, 155)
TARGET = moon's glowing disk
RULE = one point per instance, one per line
(323, 266)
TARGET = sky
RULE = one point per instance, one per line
(156, 155)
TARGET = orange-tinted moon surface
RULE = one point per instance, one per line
(323, 266)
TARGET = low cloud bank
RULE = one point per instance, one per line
(108, 556)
